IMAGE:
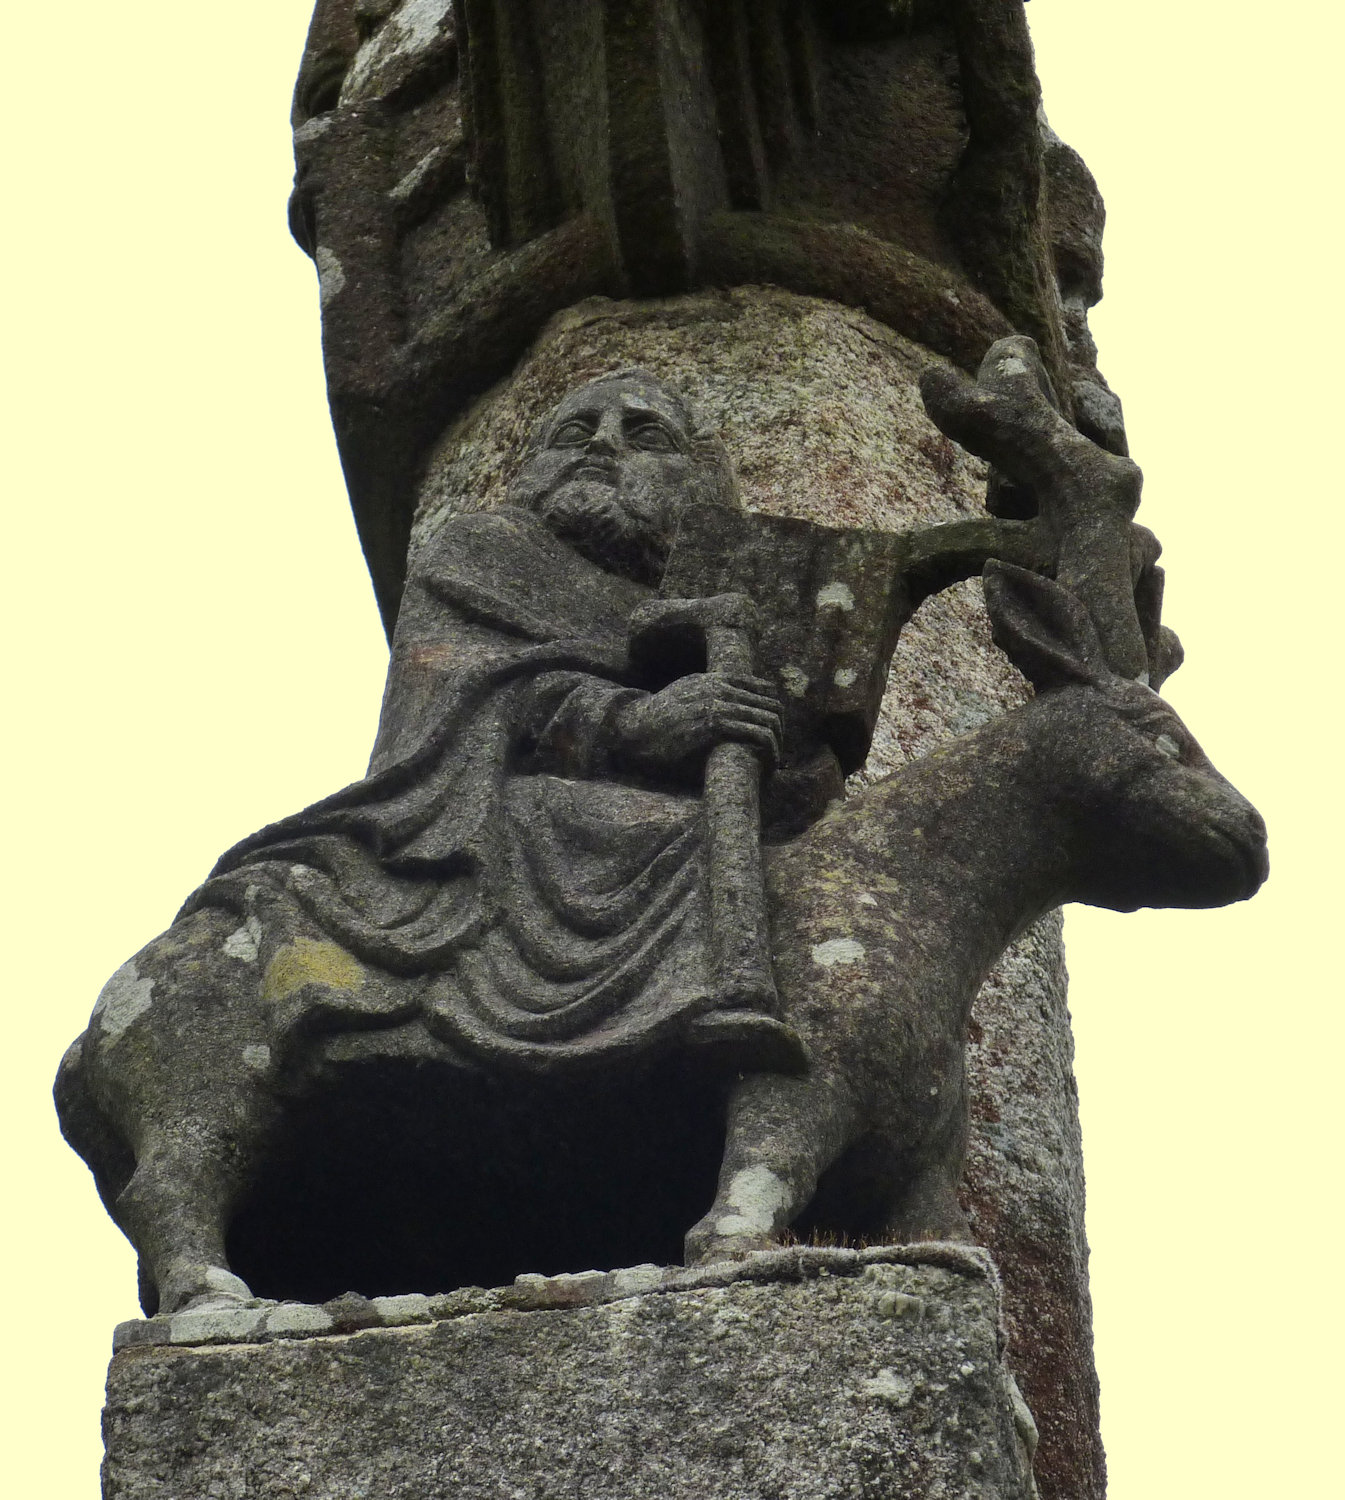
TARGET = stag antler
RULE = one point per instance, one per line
(1086, 498)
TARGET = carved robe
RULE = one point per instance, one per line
(495, 873)
(498, 874)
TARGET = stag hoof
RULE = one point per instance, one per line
(705, 1247)
(193, 1288)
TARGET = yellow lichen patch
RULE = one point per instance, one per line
(310, 961)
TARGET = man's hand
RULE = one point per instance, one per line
(680, 725)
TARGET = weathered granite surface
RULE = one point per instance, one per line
(820, 410)
(793, 1375)
(261, 1149)
(891, 158)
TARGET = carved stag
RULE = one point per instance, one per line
(1094, 792)
(524, 944)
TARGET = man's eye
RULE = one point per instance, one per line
(570, 433)
(653, 438)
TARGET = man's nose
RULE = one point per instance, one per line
(607, 435)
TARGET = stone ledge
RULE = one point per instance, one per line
(793, 1375)
(261, 1320)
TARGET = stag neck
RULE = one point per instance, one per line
(978, 821)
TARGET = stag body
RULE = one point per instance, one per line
(1093, 792)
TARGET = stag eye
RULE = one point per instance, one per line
(1166, 745)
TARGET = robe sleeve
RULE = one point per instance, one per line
(567, 724)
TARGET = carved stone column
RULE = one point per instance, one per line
(788, 211)
(860, 188)
(469, 168)
(819, 408)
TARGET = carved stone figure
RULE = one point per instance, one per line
(517, 995)
(654, 928)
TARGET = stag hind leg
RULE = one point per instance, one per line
(783, 1133)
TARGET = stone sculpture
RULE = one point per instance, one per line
(544, 919)
(595, 931)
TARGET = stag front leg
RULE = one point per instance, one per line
(783, 1133)
(927, 1209)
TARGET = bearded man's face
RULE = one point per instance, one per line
(612, 474)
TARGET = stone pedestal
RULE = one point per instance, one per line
(793, 1375)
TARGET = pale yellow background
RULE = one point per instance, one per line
(192, 650)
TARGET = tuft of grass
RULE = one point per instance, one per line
(825, 1239)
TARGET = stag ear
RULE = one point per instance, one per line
(1042, 628)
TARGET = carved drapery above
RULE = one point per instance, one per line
(467, 168)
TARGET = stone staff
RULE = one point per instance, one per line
(727, 626)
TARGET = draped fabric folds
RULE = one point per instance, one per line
(494, 874)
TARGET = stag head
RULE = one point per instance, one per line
(1152, 821)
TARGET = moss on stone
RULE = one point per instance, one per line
(310, 961)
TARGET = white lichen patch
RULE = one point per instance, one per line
(410, 30)
(865, 898)
(124, 997)
(413, 179)
(1012, 365)
(795, 681)
(409, 1307)
(216, 1325)
(889, 1387)
(331, 278)
(297, 1318)
(418, 23)
(756, 1195)
(257, 1056)
(845, 677)
(838, 951)
(310, 130)
(835, 596)
(220, 1279)
(245, 944)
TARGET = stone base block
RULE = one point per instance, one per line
(793, 1375)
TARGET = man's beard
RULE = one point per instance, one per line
(591, 516)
